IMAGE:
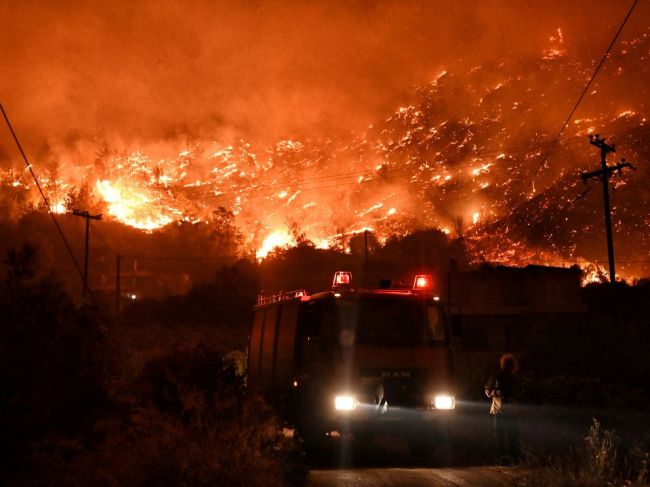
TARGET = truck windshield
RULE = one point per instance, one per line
(389, 321)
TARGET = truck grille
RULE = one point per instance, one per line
(400, 387)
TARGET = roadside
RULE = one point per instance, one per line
(414, 477)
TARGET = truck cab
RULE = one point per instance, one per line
(354, 362)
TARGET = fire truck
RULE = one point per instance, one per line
(352, 363)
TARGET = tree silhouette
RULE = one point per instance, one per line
(50, 372)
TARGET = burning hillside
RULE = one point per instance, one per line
(465, 154)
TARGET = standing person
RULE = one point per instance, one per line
(503, 389)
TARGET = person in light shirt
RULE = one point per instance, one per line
(503, 388)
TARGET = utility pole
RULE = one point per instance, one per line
(603, 174)
(88, 217)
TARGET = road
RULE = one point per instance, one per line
(387, 463)
(414, 477)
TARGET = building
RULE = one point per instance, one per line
(509, 309)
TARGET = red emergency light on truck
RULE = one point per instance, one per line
(355, 361)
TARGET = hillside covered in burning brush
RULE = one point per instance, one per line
(469, 152)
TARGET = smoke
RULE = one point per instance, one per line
(259, 70)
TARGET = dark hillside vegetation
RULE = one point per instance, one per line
(85, 403)
(52, 374)
(158, 397)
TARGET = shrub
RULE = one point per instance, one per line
(191, 424)
(177, 417)
(602, 460)
(51, 376)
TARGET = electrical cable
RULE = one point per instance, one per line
(586, 262)
(154, 257)
(584, 91)
(514, 150)
(47, 204)
(393, 168)
(511, 151)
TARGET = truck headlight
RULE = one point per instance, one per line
(345, 403)
(444, 401)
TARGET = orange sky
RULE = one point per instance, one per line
(262, 70)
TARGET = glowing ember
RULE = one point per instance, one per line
(483, 169)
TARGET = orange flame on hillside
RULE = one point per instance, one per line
(424, 166)
(131, 207)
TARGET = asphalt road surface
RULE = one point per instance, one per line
(387, 462)
(414, 477)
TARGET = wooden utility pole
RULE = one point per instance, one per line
(603, 174)
(88, 217)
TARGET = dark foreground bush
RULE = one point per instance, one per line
(51, 374)
(154, 450)
(602, 460)
(68, 418)
(189, 424)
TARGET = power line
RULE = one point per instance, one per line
(154, 257)
(47, 204)
(586, 261)
(513, 150)
(393, 169)
(546, 261)
(264, 188)
(584, 91)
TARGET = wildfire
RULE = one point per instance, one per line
(430, 164)
(556, 49)
(277, 239)
(593, 273)
(131, 207)
(59, 208)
